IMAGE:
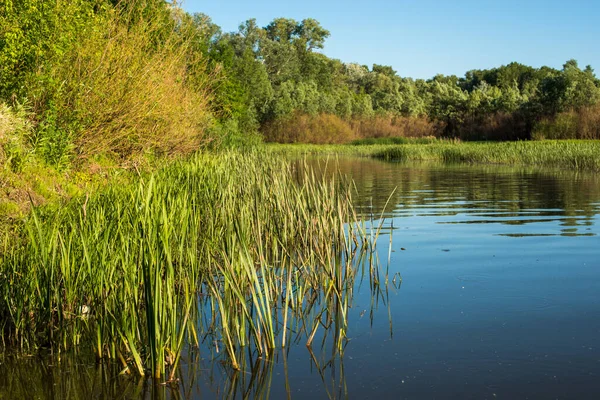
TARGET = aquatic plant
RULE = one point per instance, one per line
(582, 155)
(569, 154)
(243, 248)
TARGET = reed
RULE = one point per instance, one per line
(582, 155)
(245, 249)
(568, 154)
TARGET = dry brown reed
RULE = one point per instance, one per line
(331, 129)
(303, 128)
(395, 126)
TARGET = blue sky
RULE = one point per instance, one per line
(422, 38)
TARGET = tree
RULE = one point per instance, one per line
(449, 103)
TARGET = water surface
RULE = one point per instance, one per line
(501, 268)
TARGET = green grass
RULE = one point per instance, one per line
(583, 155)
(301, 149)
(568, 154)
(394, 140)
(245, 248)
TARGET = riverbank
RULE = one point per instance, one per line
(567, 154)
(37, 184)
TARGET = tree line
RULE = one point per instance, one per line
(273, 74)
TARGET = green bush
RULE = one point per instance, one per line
(120, 80)
(562, 126)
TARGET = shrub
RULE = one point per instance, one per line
(583, 123)
(495, 126)
(588, 124)
(330, 129)
(124, 93)
(122, 79)
(302, 128)
(395, 126)
(229, 134)
(562, 126)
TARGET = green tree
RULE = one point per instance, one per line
(449, 103)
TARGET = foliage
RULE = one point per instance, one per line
(131, 94)
(150, 77)
(101, 78)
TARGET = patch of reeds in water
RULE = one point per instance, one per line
(582, 155)
(243, 249)
(564, 154)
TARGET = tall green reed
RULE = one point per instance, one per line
(244, 248)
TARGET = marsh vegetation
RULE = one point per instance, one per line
(560, 154)
(233, 246)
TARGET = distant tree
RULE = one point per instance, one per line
(384, 70)
(311, 35)
(580, 86)
(449, 103)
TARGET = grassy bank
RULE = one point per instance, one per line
(225, 246)
(581, 155)
(38, 184)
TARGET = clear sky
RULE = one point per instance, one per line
(420, 38)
